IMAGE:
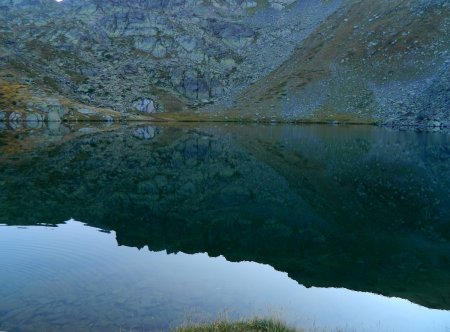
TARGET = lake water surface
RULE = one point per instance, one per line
(145, 227)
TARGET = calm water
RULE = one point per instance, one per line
(147, 227)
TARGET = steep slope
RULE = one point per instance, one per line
(286, 60)
(383, 61)
(128, 54)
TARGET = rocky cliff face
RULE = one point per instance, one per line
(246, 59)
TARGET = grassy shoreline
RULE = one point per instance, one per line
(250, 325)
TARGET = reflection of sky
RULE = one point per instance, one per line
(79, 262)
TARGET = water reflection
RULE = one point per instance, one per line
(362, 208)
(74, 277)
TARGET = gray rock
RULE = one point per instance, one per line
(34, 117)
(87, 111)
(434, 123)
(145, 105)
(53, 116)
(187, 42)
(15, 117)
(146, 44)
(249, 4)
(159, 51)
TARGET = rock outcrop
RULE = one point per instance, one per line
(336, 60)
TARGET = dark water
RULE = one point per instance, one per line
(147, 227)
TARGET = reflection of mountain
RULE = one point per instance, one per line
(364, 209)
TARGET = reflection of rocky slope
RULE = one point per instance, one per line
(285, 59)
(357, 208)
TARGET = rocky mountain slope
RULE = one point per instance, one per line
(284, 60)
(386, 61)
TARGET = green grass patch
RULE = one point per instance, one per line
(252, 325)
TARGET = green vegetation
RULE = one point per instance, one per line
(253, 325)
(249, 325)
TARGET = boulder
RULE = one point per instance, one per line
(53, 116)
(145, 105)
(87, 111)
(15, 117)
(34, 117)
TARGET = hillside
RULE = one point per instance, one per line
(284, 60)
(384, 61)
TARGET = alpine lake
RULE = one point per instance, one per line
(145, 227)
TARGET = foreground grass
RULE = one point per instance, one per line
(253, 325)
